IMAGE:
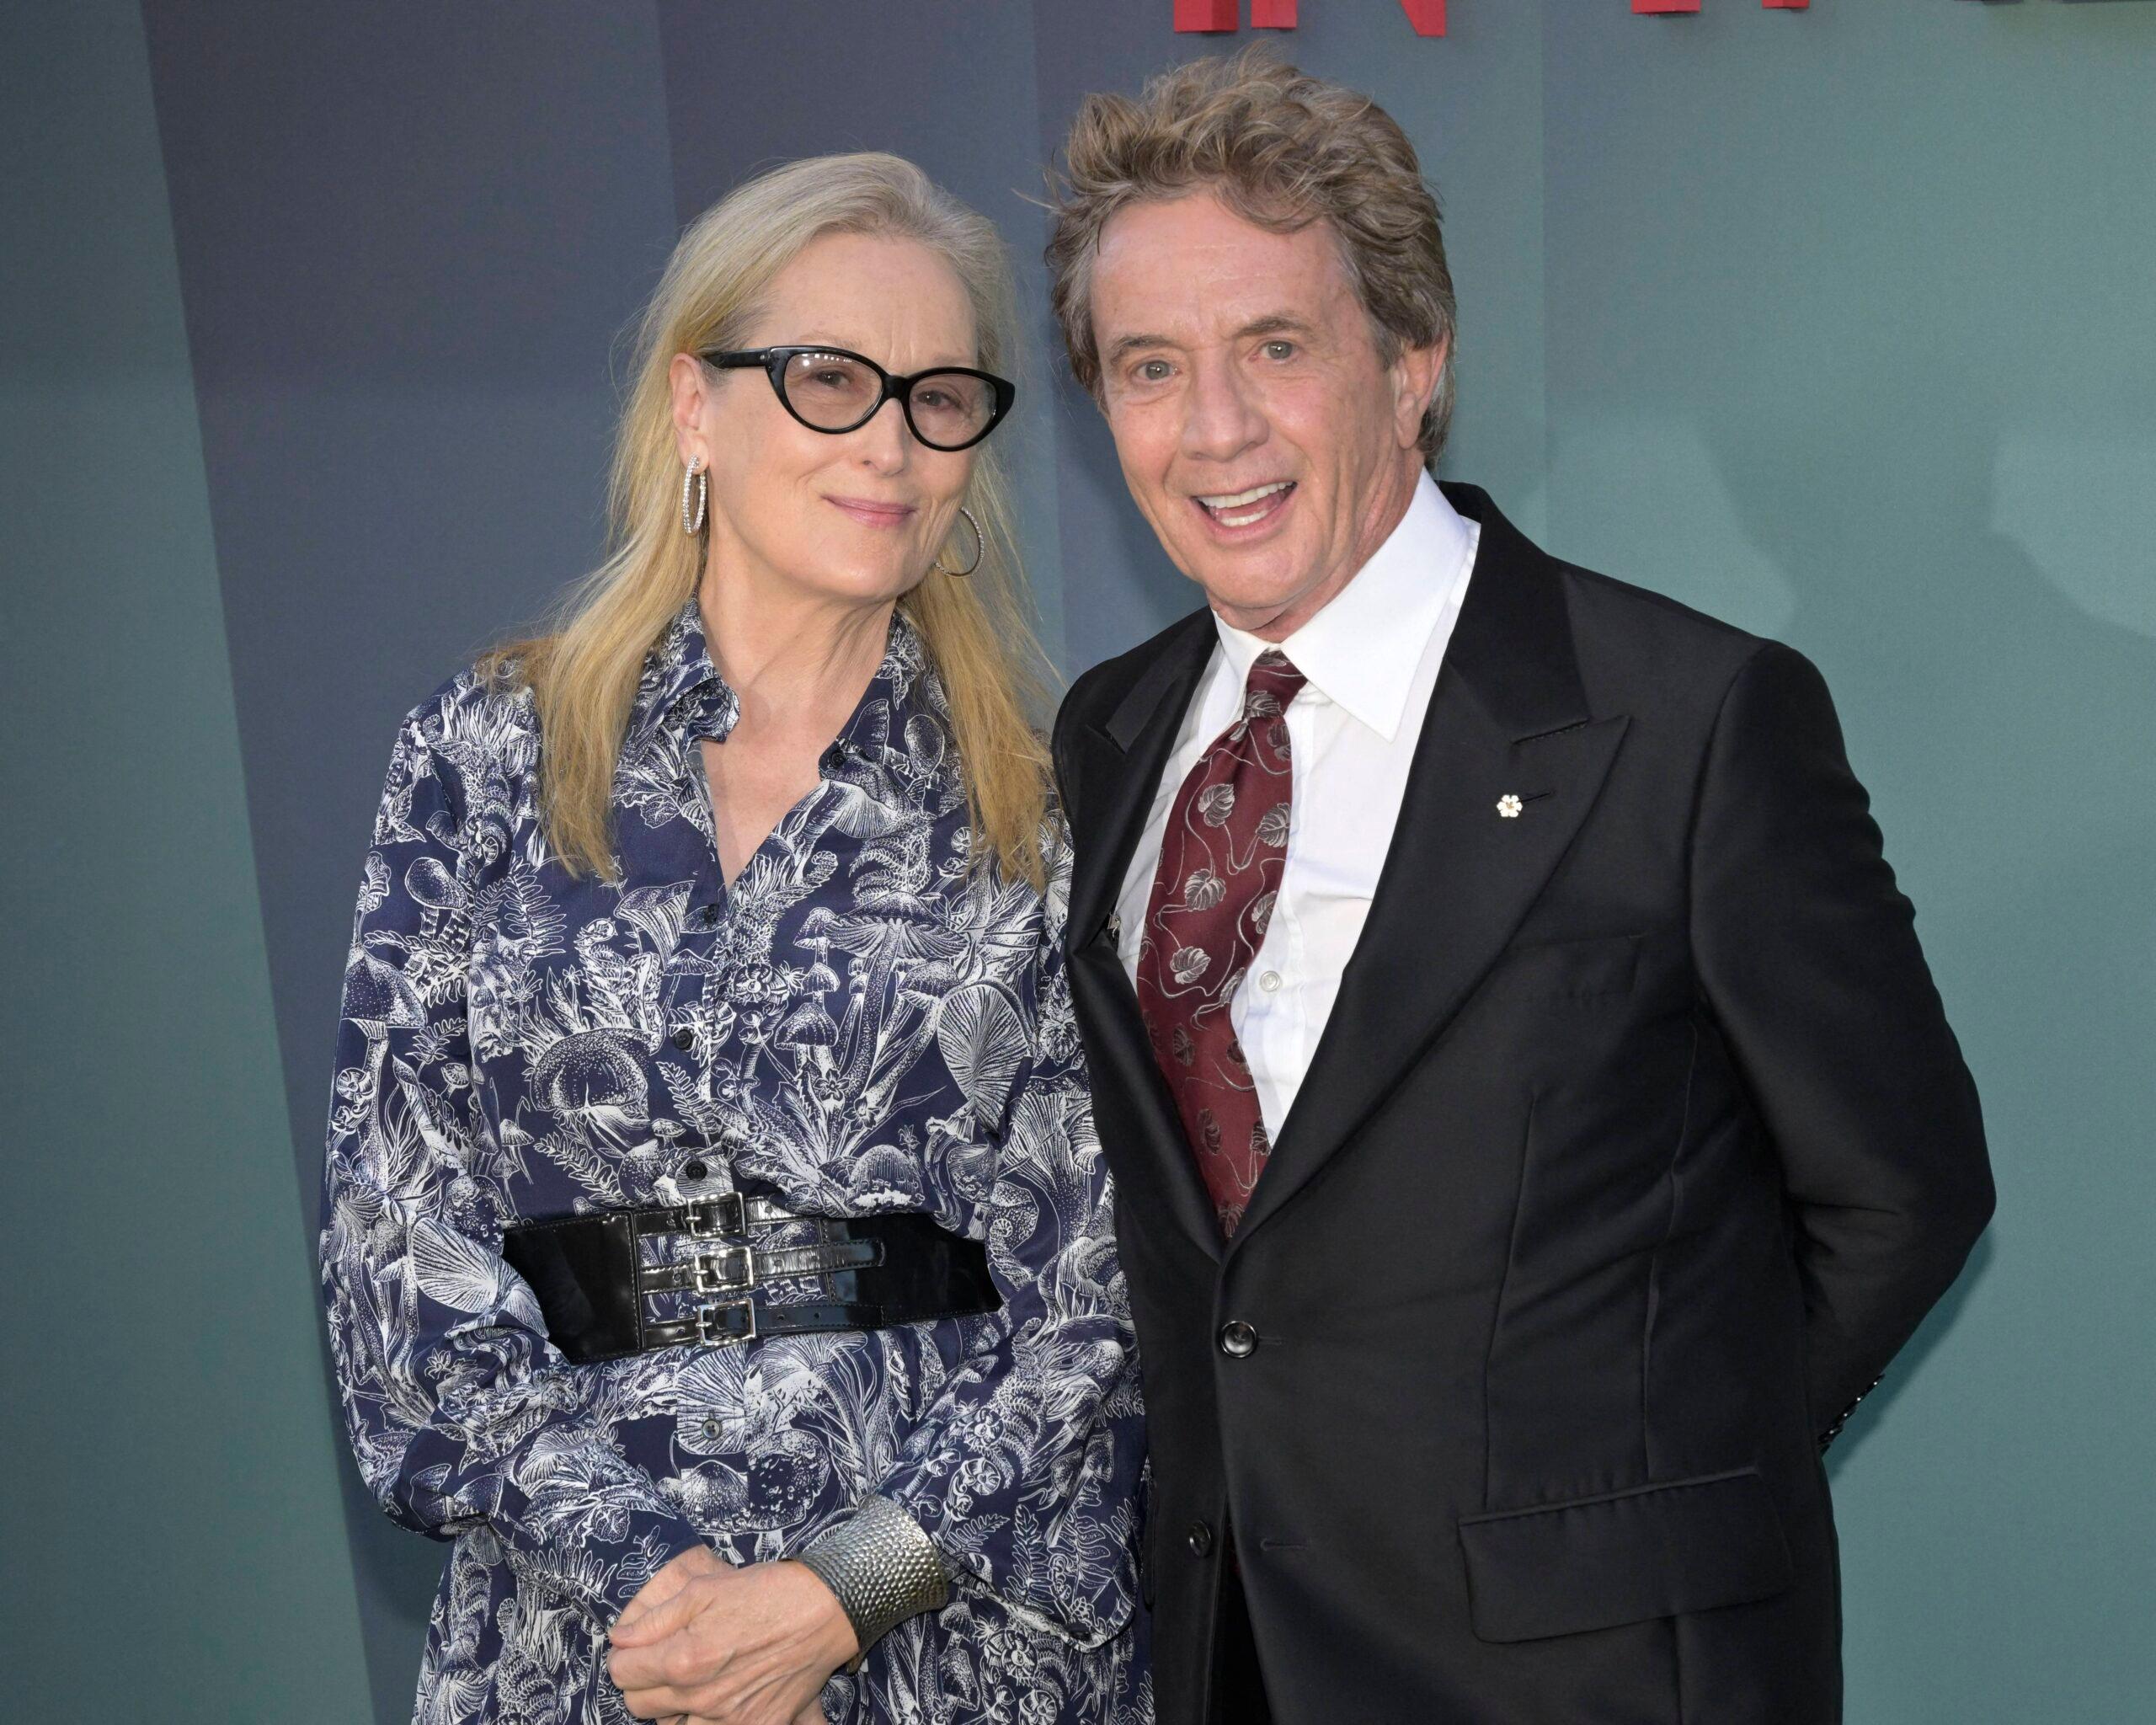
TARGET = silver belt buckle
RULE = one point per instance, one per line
(715, 1276)
(712, 1218)
(707, 1316)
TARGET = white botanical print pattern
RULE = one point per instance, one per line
(860, 1023)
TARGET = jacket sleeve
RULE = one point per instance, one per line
(1809, 959)
(1025, 1469)
(463, 1419)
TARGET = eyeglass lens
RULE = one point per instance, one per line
(834, 393)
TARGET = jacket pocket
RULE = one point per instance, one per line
(1688, 1544)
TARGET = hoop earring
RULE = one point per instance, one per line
(980, 547)
(692, 523)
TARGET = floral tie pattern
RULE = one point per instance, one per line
(1221, 858)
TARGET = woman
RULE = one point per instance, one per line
(715, 1242)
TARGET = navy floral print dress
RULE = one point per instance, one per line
(860, 1023)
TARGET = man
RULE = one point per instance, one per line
(1534, 1124)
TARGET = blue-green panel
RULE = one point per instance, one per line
(1849, 342)
(174, 1548)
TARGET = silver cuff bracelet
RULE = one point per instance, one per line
(882, 1567)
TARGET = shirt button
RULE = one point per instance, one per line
(834, 757)
(1199, 1539)
(1238, 1340)
(711, 916)
(695, 1168)
(1270, 982)
(684, 1038)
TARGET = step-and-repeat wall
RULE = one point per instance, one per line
(1832, 319)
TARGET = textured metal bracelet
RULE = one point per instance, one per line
(882, 1567)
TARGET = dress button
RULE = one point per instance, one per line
(1270, 981)
(1238, 1340)
(695, 1168)
(1199, 1539)
(684, 1038)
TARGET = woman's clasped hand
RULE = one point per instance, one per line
(750, 1645)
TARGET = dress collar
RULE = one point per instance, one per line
(680, 682)
(1362, 650)
(682, 688)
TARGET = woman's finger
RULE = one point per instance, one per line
(655, 1622)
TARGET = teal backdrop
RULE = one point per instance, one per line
(1834, 322)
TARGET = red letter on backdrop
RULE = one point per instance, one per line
(1665, 5)
(1272, 14)
(1211, 15)
(1427, 16)
(1786, 5)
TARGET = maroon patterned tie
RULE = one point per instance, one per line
(1221, 858)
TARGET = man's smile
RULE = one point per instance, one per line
(1233, 514)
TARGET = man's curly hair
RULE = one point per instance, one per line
(1281, 149)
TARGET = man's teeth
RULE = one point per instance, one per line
(1237, 499)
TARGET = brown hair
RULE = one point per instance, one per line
(1281, 149)
(582, 673)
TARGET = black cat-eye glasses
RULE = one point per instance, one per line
(829, 389)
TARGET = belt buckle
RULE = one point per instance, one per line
(709, 1316)
(709, 1265)
(712, 1218)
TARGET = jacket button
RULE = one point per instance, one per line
(1238, 1340)
(684, 1038)
(1199, 1539)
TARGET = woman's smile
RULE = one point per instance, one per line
(872, 514)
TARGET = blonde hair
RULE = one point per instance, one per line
(584, 672)
(1281, 149)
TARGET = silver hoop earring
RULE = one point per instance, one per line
(691, 523)
(980, 547)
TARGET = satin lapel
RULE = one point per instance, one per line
(1508, 718)
(1118, 770)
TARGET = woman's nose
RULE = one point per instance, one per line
(887, 440)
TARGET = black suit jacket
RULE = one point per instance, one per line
(1635, 1147)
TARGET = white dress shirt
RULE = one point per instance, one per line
(1372, 658)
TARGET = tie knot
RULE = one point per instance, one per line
(1272, 683)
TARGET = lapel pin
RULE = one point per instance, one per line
(1115, 927)
(1509, 806)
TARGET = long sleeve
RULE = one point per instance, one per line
(1024, 1471)
(1810, 962)
(462, 1416)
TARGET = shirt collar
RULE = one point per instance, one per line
(682, 688)
(1362, 650)
(680, 683)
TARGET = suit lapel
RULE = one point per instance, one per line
(1508, 718)
(1120, 765)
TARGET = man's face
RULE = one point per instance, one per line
(1259, 430)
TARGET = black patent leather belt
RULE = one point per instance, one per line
(594, 1287)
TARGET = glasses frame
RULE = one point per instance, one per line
(773, 361)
